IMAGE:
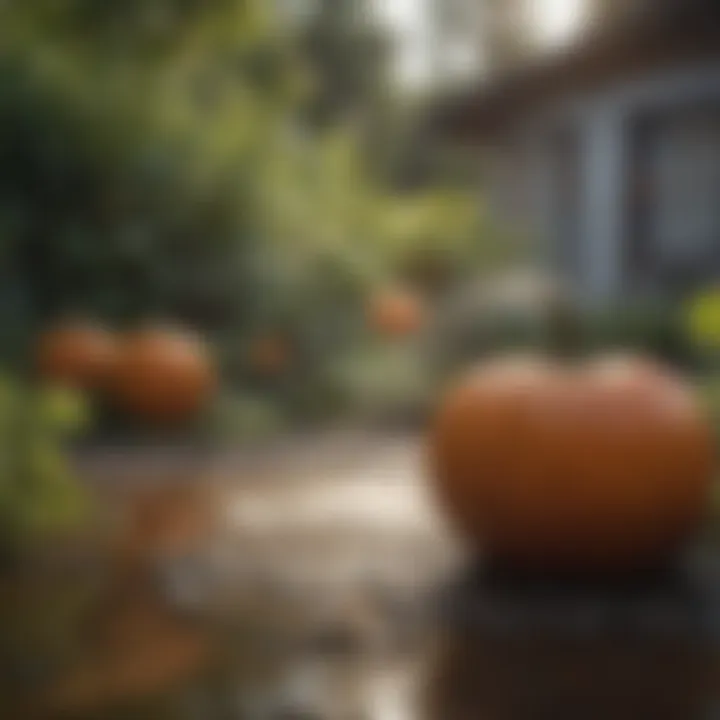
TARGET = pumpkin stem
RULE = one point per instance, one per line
(564, 332)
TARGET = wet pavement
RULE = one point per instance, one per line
(311, 580)
(322, 572)
(294, 581)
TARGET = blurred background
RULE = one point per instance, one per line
(245, 244)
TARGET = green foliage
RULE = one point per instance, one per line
(482, 322)
(39, 494)
(157, 160)
(658, 330)
(349, 56)
(144, 163)
(384, 382)
(245, 416)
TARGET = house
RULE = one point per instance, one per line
(607, 154)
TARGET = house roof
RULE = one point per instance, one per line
(668, 34)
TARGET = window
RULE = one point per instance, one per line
(676, 196)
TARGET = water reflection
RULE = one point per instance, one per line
(515, 654)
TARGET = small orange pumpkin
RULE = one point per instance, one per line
(600, 467)
(163, 375)
(76, 353)
(269, 355)
(395, 312)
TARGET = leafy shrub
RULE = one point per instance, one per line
(237, 415)
(151, 173)
(656, 329)
(384, 382)
(39, 493)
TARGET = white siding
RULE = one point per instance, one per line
(602, 123)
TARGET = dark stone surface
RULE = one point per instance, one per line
(516, 648)
(682, 599)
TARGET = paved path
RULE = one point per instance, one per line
(314, 579)
(314, 588)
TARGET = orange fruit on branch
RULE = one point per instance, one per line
(269, 355)
(396, 312)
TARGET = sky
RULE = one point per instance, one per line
(555, 22)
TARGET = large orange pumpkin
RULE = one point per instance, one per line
(606, 466)
(395, 313)
(163, 375)
(76, 353)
